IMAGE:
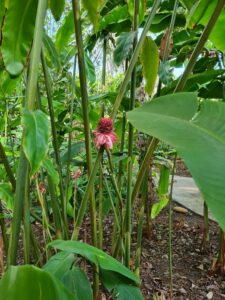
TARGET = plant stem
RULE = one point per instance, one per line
(8, 169)
(104, 60)
(87, 194)
(128, 209)
(134, 58)
(206, 224)
(22, 173)
(48, 86)
(201, 42)
(144, 196)
(171, 228)
(119, 182)
(71, 126)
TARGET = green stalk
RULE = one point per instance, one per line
(112, 204)
(144, 196)
(143, 168)
(128, 209)
(55, 208)
(8, 169)
(3, 228)
(206, 224)
(22, 172)
(87, 194)
(84, 96)
(71, 126)
(26, 224)
(104, 60)
(201, 42)
(48, 86)
(171, 228)
(119, 182)
(134, 58)
(100, 210)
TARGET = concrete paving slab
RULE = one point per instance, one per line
(187, 194)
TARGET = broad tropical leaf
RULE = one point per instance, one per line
(198, 136)
(150, 63)
(57, 7)
(17, 34)
(76, 281)
(96, 256)
(28, 282)
(35, 140)
(123, 47)
(127, 292)
(201, 12)
(116, 15)
(93, 10)
(52, 52)
(64, 32)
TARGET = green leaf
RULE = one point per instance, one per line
(90, 68)
(52, 52)
(64, 32)
(93, 10)
(57, 7)
(198, 136)
(124, 45)
(200, 13)
(127, 292)
(150, 63)
(96, 256)
(164, 179)
(59, 263)
(76, 149)
(158, 206)
(17, 34)
(35, 140)
(28, 282)
(6, 195)
(76, 281)
(116, 15)
(49, 167)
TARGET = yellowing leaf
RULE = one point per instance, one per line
(150, 63)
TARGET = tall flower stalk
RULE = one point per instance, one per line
(22, 185)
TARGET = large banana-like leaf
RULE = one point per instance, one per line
(28, 282)
(17, 34)
(198, 136)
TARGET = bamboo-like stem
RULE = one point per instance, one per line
(134, 58)
(84, 96)
(104, 60)
(112, 205)
(48, 86)
(21, 185)
(87, 194)
(143, 168)
(201, 42)
(119, 182)
(73, 86)
(8, 169)
(170, 228)
(128, 209)
(144, 196)
(55, 208)
(206, 223)
(100, 210)
(26, 224)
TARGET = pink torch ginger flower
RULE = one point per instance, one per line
(105, 135)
